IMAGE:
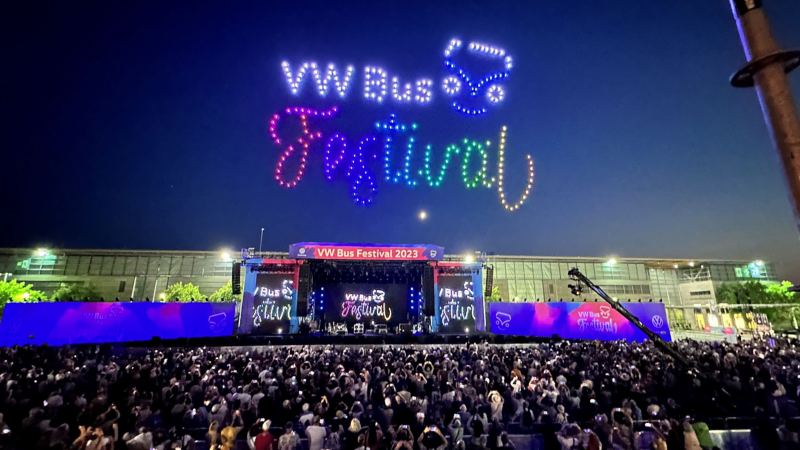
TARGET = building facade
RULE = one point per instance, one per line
(683, 285)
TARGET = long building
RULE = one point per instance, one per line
(682, 284)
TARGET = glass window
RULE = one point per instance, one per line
(154, 265)
(546, 275)
(564, 270)
(118, 265)
(72, 265)
(500, 270)
(589, 271)
(528, 271)
(95, 264)
(141, 265)
(510, 272)
(512, 289)
(537, 270)
(108, 265)
(528, 292)
(186, 265)
(519, 269)
(130, 265)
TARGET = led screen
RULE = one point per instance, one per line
(94, 323)
(367, 303)
(272, 303)
(577, 320)
(456, 303)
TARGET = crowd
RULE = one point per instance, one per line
(577, 395)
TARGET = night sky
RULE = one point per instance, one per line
(145, 126)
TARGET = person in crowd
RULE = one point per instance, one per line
(504, 442)
(432, 439)
(229, 433)
(265, 439)
(289, 439)
(352, 434)
(316, 434)
(156, 397)
(456, 433)
(690, 438)
(570, 437)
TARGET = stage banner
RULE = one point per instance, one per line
(456, 303)
(273, 297)
(367, 252)
(95, 323)
(575, 320)
(367, 303)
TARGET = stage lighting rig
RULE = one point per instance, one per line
(576, 289)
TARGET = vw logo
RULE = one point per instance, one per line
(433, 253)
(302, 251)
(658, 322)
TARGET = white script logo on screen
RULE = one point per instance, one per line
(457, 304)
(360, 305)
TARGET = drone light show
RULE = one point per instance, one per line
(394, 151)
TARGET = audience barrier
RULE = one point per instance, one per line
(89, 323)
(577, 320)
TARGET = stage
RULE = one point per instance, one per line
(360, 289)
(339, 294)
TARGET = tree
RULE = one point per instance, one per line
(495, 297)
(180, 292)
(77, 292)
(755, 293)
(782, 290)
(14, 291)
(225, 294)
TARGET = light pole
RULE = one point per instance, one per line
(261, 241)
(766, 69)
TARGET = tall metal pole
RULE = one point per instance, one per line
(766, 69)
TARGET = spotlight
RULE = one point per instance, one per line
(691, 264)
(225, 255)
(576, 289)
(42, 252)
(162, 296)
(423, 215)
(466, 330)
(676, 266)
(469, 259)
(280, 330)
(611, 262)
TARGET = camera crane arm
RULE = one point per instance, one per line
(575, 274)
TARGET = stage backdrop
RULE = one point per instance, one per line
(272, 303)
(94, 323)
(576, 320)
(367, 303)
(456, 303)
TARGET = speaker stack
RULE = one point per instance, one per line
(303, 284)
(236, 278)
(489, 282)
(429, 291)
